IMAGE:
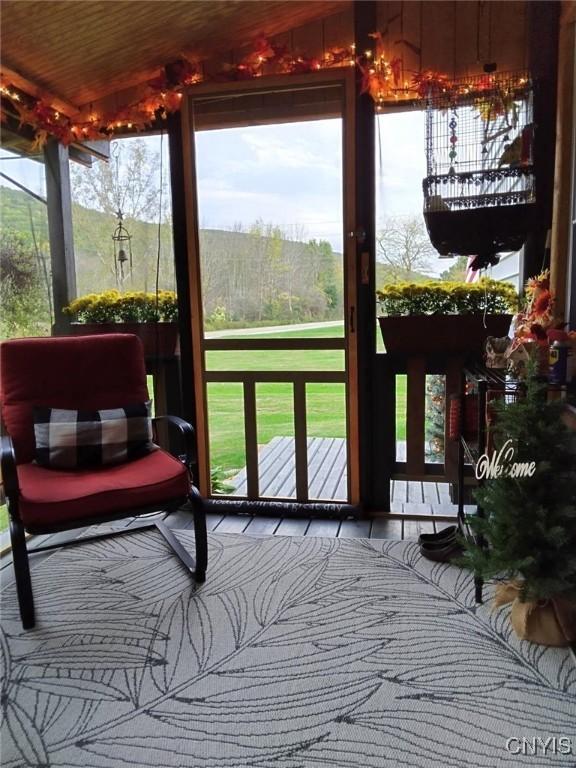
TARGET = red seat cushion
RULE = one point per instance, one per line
(51, 497)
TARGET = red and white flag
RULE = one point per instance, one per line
(472, 275)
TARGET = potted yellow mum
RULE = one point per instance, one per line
(153, 317)
(444, 318)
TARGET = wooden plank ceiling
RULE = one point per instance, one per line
(83, 51)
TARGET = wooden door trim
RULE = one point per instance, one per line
(345, 78)
(195, 293)
(351, 284)
(320, 79)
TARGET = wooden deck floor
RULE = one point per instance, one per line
(327, 477)
(277, 469)
(327, 472)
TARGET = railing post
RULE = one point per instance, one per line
(415, 415)
(300, 440)
(251, 438)
(384, 435)
(454, 367)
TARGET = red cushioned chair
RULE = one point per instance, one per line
(85, 373)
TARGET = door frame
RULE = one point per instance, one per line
(345, 77)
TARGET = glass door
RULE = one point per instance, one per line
(271, 281)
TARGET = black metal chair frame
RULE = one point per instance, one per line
(20, 552)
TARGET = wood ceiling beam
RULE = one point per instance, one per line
(32, 89)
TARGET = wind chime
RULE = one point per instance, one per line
(122, 251)
(121, 238)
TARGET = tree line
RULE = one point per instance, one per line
(257, 274)
(251, 274)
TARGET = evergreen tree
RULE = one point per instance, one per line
(435, 415)
(530, 522)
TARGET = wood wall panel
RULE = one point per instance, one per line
(509, 35)
(83, 51)
(562, 246)
(336, 30)
(439, 38)
(339, 29)
(307, 40)
(467, 51)
(455, 38)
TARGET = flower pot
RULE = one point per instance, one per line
(546, 622)
(160, 340)
(447, 335)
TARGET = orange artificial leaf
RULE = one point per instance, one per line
(542, 304)
(40, 139)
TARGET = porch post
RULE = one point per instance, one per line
(543, 58)
(365, 22)
(59, 205)
(180, 239)
(565, 175)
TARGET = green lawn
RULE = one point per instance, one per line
(274, 403)
(325, 402)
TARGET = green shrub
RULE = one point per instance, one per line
(23, 291)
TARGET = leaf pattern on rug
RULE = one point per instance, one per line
(295, 653)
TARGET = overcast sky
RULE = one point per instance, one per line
(289, 175)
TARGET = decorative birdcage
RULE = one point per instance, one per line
(479, 193)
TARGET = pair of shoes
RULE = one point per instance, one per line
(442, 552)
(443, 536)
(441, 547)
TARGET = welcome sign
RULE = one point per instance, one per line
(501, 464)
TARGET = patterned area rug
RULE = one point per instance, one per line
(295, 653)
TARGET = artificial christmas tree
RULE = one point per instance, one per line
(528, 532)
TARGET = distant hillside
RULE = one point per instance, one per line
(259, 275)
(93, 243)
(248, 276)
(18, 210)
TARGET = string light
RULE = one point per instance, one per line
(5, 91)
(380, 78)
(46, 120)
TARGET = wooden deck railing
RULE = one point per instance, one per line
(416, 467)
(387, 466)
(298, 380)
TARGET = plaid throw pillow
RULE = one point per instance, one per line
(75, 439)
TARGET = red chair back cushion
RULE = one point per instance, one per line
(74, 372)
